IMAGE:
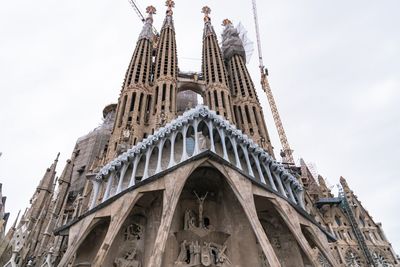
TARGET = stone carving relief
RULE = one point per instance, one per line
(132, 247)
(194, 253)
(322, 260)
(352, 259)
(380, 260)
(199, 244)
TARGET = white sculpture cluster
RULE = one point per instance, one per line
(259, 165)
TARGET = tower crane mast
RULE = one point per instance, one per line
(287, 152)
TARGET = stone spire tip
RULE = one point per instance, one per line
(206, 11)
(170, 4)
(151, 10)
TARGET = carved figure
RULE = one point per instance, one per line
(219, 253)
(182, 257)
(196, 252)
(201, 200)
(133, 232)
(128, 261)
(189, 220)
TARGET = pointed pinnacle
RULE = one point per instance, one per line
(16, 220)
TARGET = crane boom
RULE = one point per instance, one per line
(136, 8)
(287, 152)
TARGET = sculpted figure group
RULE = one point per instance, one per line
(196, 255)
(195, 250)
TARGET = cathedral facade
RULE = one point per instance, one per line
(164, 182)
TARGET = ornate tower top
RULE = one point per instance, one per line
(147, 31)
(206, 11)
(170, 4)
(226, 22)
(208, 28)
(151, 10)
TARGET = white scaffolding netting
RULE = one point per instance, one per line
(236, 42)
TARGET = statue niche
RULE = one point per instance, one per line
(200, 244)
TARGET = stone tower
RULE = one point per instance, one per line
(218, 95)
(133, 110)
(165, 73)
(246, 106)
(199, 189)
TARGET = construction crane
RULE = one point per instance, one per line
(286, 152)
(136, 8)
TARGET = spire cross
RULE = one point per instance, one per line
(206, 11)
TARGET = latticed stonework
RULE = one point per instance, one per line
(246, 106)
(218, 95)
(151, 188)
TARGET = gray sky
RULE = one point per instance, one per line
(334, 70)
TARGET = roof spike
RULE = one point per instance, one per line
(16, 220)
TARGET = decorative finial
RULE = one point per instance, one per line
(151, 10)
(170, 4)
(206, 11)
(226, 22)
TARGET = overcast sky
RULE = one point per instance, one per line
(334, 70)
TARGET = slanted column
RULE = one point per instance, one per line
(222, 135)
(290, 191)
(246, 156)
(160, 150)
(210, 130)
(271, 180)
(172, 154)
(262, 179)
(146, 165)
(96, 189)
(196, 137)
(234, 144)
(121, 177)
(280, 185)
(184, 152)
(300, 198)
(108, 188)
(132, 182)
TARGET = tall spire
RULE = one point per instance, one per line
(48, 179)
(218, 95)
(247, 109)
(131, 123)
(165, 72)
